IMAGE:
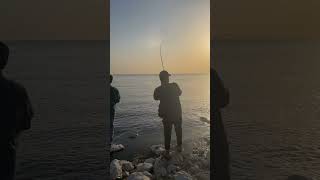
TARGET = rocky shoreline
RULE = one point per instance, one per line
(191, 164)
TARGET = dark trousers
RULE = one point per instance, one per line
(8, 161)
(221, 167)
(167, 127)
(112, 113)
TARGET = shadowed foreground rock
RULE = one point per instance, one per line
(192, 164)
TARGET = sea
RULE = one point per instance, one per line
(272, 121)
(137, 113)
(66, 83)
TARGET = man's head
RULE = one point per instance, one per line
(164, 77)
(4, 54)
(111, 78)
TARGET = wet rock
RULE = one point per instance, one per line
(176, 159)
(157, 149)
(116, 147)
(133, 135)
(195, 169)
(150, 160)
(144, 167)
(126, 165)
(138, 176)
(171, 169)
(115, 169)
(159, 168)
(182, 175)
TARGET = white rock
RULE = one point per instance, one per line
(157, 149)
(150, 160)
(115, 169)
(181, 175)
(144, 167)
(205, 120)
(116, 147)
(146, 173)
(125, 174)
(138, 176)
(126, 165)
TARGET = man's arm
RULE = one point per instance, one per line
(156, 94)
(118, 96)
(179, 91)
(24, 112)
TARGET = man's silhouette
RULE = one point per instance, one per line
(15, 116)
(114, 99)
(169, 109)
(220, 99)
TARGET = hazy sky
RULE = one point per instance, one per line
(138, 26)
(54, 19)
(266, 19)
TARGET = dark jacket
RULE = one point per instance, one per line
(220, 158)
(15, 109)
(114, 96)
(170, 106)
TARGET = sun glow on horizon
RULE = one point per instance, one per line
(137, 35)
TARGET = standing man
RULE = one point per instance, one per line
(220, 99)
(15, 116)
(169, 110)
(114, 99)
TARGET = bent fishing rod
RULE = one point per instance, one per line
(161, 55)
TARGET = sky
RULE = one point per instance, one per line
(54, 20)
(137, 28)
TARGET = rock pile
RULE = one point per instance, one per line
(178, 167)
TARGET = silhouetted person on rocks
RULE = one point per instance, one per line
(220, 99)
(169, 110)
(15, 116)
(114, 99)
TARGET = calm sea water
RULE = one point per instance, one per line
(138, 112)
(66, 84)
(273, 119)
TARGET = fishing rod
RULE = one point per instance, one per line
(161, 55)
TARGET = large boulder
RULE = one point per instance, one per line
(115, 169)
(141, 167)
(126, 165)
(157, 149)
(182, 175)
(138, 176)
